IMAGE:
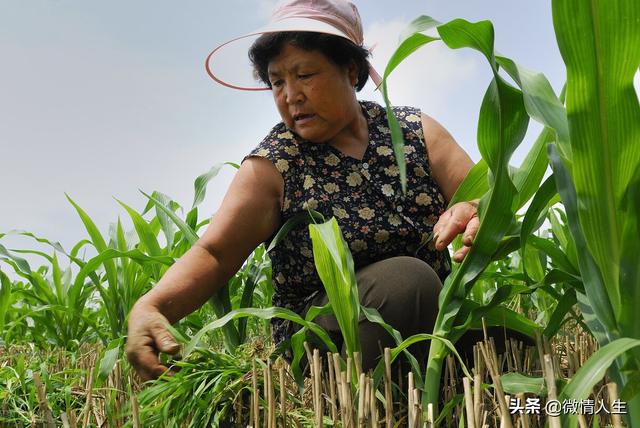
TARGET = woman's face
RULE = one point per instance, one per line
(315, 98)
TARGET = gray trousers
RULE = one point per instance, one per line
(405, 291)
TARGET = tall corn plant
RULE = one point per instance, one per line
(594, 149)
(599, 181)
(45, 299)
(334, 264)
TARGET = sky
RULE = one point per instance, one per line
(103, 99)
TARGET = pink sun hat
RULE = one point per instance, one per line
(336, 17)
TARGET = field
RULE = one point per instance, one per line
(556, 259)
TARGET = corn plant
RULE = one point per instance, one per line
(594, 151)
(59, 317)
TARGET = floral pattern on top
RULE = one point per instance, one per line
(377, 220)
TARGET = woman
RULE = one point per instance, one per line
(333, 154)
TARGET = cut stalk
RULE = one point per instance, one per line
(332, 388)
(468, 402)
(388, 399)
(550, 378)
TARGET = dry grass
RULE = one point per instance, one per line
(332, 394)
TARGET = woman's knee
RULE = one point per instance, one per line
(398, 281)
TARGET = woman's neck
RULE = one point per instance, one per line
(354, 138)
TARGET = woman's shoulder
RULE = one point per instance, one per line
(375, 111)
(280, 146)
(409, 118)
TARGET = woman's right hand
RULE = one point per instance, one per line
(249, 215)
(147, 337)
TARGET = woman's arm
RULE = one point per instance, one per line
(249, 214)
(450, 164)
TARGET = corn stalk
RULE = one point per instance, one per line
(595, 158)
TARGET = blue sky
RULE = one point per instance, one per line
(100, 99)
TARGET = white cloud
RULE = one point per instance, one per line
(266, 7)
(444, 83)
(425, 78)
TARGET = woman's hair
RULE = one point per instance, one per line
(338, 50)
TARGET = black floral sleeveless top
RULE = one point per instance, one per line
(365, 196)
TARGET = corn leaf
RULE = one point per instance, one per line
(419, 25)
(413, 39)
(503, 316)
(479, 36)
(335, 268)
(184, 227)
(528, 177)
(630, 261)
(541, 102)
(474, 185)
(292, 223)
(145, 233)
(600, 44)
(563, 307)
(5, 298)
(200, 184)
(515, 383)
(165, 221)
(264, 313)
(592, 372)
(502, 126)
(556, 255)
(109, 358)
(403, 345)
(21, 264)
(98, 242)
(593, 282)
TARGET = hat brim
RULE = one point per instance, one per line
(228, 64)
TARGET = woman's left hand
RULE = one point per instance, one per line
(461, 218)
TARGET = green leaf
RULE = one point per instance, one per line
(593, 282)
(408, 46)
(109, 255)
(502, 126)
(402, 346)
(460, 33)
(632, 388)
(20, 263)
(539, 99)
(186, 230)
(5, 298)
(56, 275)
(55, 245)
(166, 223)
(334, 264)
(528, 177)
(146, 235)
(551, 249)
(221, 304)
(200, 184)
(448, 409)
(515, 383)
(292, 223)
(264, 313)
(474, 185)
(593, 370)
(503, 316)
(564, 306)
(600, 43)
(418, 25)
(502, 108)
(109, 359)
(630, 260)
(98, 242)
